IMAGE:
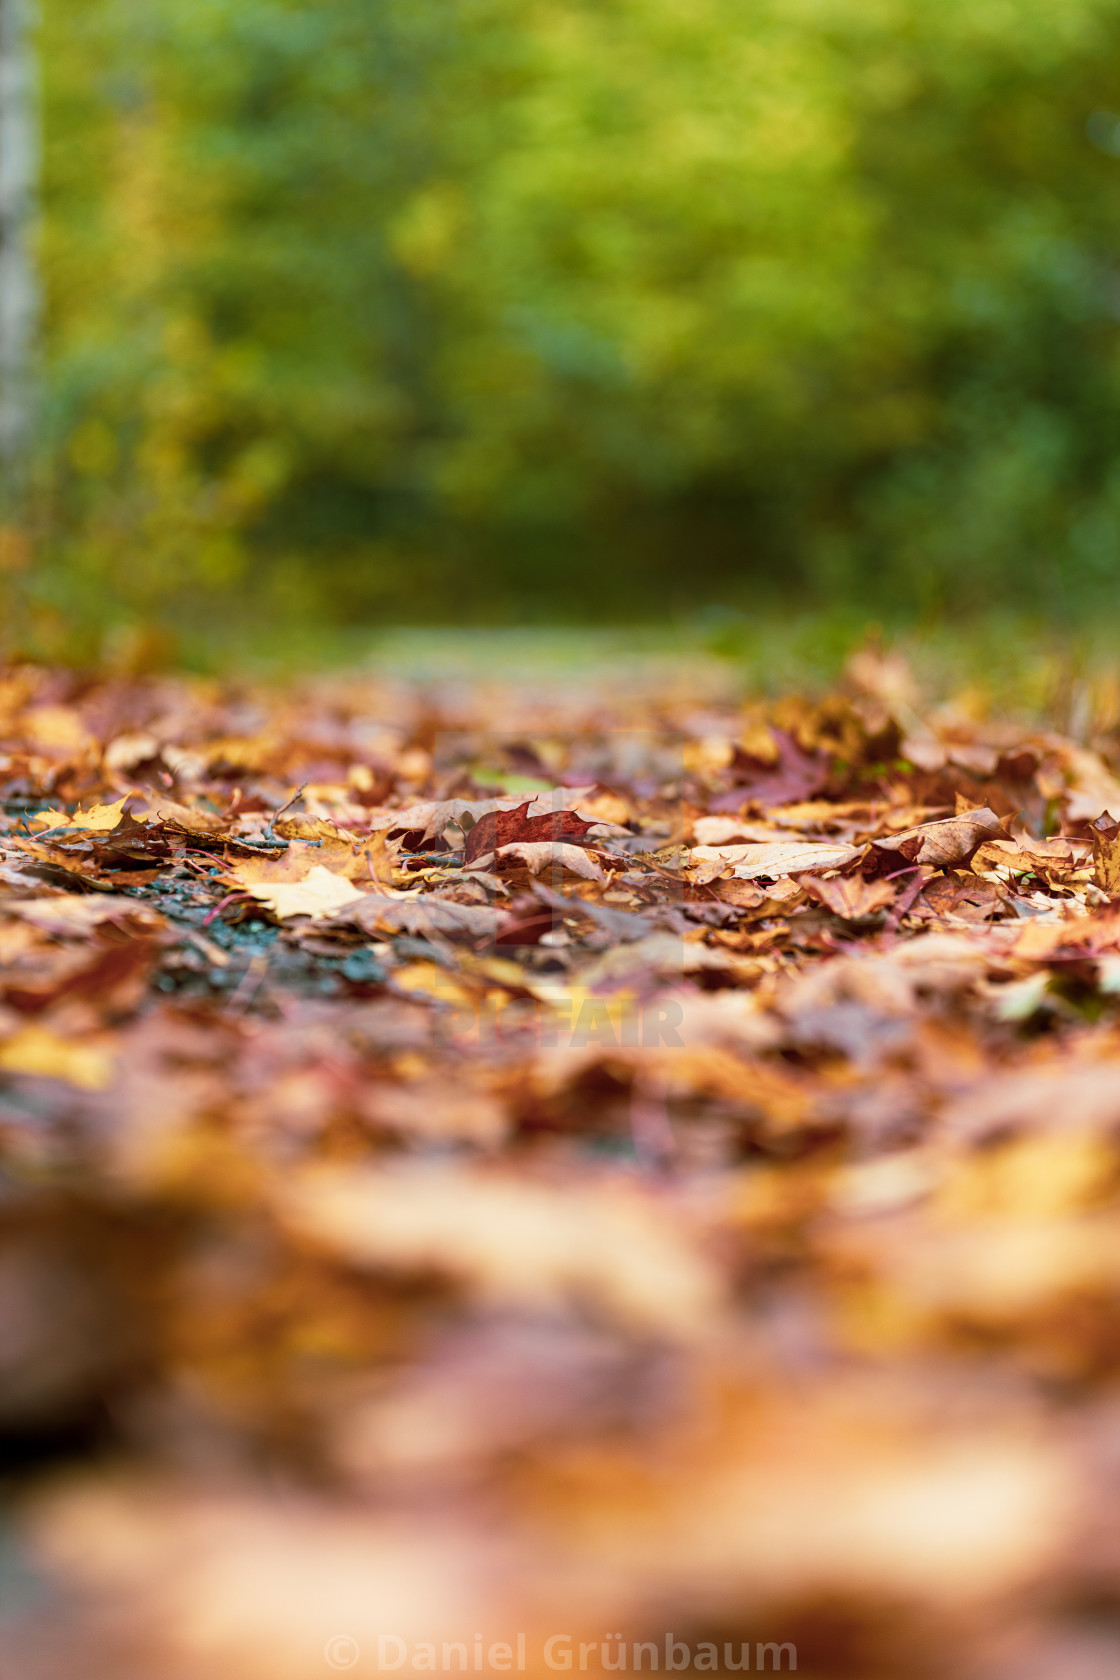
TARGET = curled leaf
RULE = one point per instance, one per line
(941, 844)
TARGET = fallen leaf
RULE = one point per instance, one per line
(189, 819)
(779, 857)
(498, 830)
(538, 855)
(850, 896)
(1106, 853)
(422, 916)
(76, 917)
(99, 819)
(722, 831)
(564, 1239)
(1080, 935)
(943, 844)
(963, 895)
(796, 775)
(369, 863)
(296, 826)
(320, 893)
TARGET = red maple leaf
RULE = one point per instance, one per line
(503, 828)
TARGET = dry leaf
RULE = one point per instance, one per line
(367, 863)
(779, 857)
(943, 844)
(99, 819)
(850, 896)
(538, 855)
(498, 830)
(318, 894)
(423, 916)
(75, 917)
(1106, 853)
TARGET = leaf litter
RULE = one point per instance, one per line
(678, 1204)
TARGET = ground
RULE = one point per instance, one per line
(495, 1162)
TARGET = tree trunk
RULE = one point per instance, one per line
(19, 292)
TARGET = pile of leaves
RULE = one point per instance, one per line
(478, 1163)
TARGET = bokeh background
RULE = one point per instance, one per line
(506, 311)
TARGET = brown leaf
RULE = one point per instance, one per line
(475, 1230)
(297, 826)
(539, 855)
(423, 916)
(849, 896)
(743, 894)
(506, 828)
(117, 967)
(940, 844)
(797, 775)
(77, 917)
(962, 895)
(1106, 853)
(188, 819)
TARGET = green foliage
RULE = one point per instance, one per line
(440, 308)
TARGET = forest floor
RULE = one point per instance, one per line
(601, 1161)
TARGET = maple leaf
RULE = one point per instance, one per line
(796, 775)
(99, 819)
(368, 862)
(422, 825)
(850, 896)
(506, 828)
(320, 893)
(1106, 853)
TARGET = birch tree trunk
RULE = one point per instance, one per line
(19, 293)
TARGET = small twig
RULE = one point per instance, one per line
(279, 812)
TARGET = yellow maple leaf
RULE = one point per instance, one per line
(369, 863)
(319, 894)
(99, 818)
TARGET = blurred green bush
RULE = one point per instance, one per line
(453, 309)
